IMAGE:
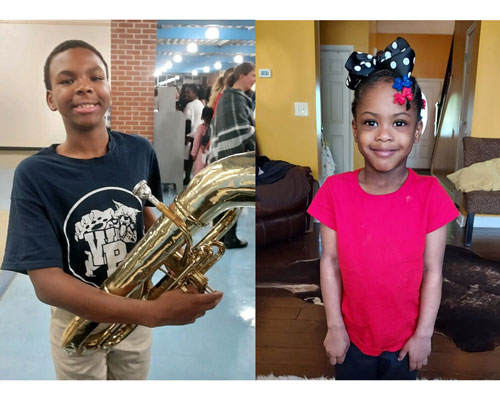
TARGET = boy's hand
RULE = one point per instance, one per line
(178, 308)
(418, 348)
(336, 345)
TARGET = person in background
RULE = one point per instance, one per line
(192, 111)
(200, 148)
(194, 107)
(233, 128)
(180, 98)
(218, 89)
(204, 94)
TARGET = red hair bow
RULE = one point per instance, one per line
(401, 97)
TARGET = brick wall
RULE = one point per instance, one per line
(133, 57)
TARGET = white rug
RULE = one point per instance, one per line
(289, 377)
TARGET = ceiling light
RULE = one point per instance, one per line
(194, 72)
(157, 73)
(217, 65)
(238, 59)
(206, 69)
(168, 64)
(192, 47)
(212, 33)
(177, 58)
(177, 77)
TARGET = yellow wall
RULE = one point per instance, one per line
(288, 48)
(485, 121)
(431, 52)
(355, 33)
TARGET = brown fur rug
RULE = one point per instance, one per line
(470, 305)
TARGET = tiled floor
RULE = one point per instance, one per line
(221, 345)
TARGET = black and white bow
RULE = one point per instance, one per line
(397, 56)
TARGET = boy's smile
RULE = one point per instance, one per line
(80, 90)
(86, 108)
(385, 132)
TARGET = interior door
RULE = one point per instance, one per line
(335, 105)
(420, 156)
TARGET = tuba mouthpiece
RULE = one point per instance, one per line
(143, 191)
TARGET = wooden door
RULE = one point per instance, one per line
(335, 105)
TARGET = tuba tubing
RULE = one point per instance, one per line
(223, 186)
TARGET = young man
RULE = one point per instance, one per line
(73, 218)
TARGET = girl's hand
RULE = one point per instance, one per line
(418, 348)
(336, 345)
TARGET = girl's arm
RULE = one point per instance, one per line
(419, 345)
(336, 341)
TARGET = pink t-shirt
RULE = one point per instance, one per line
(380, 246)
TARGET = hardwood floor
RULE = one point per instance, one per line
(289, 335)
(290, 331)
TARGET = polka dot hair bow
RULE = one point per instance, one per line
(398, 57)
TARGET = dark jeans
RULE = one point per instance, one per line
(230, 235)
(359, 366)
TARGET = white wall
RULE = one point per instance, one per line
(25, 119)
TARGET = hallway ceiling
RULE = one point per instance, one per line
(236, 37)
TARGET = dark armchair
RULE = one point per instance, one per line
(478, 201)
(284, 193)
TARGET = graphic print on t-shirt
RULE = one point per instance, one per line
(101, 228)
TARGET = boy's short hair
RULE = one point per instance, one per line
(66, 45)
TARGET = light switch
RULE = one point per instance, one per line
(301, 110)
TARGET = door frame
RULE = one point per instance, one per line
(462, 132)
(434, 130)
(328, 48)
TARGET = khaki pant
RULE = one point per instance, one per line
(128, 360)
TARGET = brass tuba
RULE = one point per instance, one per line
(222, 186)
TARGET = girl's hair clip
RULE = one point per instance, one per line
(399, 83)
(401, 98)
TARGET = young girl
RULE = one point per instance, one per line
(383, 230)
(199, 152)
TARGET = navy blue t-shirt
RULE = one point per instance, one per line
(80, 215)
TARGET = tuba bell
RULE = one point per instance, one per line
(224, 186)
